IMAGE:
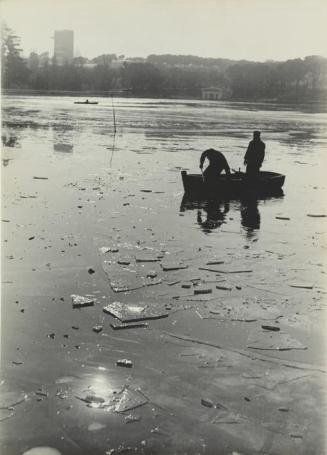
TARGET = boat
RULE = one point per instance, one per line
(86, 102)
(269, 183)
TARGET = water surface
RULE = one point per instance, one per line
(124, 191)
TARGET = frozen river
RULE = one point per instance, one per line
(100, 215)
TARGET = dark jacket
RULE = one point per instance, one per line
(255, 153)
(217, 161)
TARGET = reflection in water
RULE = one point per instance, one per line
(112, 149)
(211, 213)
(214, 217)
(66, 148)
(63, 139)
(9, 139)
(101, 385)
(250, 215)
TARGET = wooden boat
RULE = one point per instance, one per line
(86, 102)
(269, 183)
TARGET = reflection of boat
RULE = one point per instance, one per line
(211, 213)
(215, 210)
(269, 183)
(250, 215)
(86, 102)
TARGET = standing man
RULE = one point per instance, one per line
(217, 163)
(254, 156)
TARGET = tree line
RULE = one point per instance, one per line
(165, 75)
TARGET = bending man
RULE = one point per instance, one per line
(217, 163)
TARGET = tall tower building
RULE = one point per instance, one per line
(63, 46)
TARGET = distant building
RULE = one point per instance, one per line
(89, 65)
(121, 61)
(63, 46)
(212, 93)
(135, 60)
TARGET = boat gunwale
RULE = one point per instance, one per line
(270, 182)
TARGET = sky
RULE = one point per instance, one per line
(256, 30)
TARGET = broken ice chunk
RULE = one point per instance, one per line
(129, 400)
(79, 301)
(202, 290)
(301, 285)
(206, 402)
(215, 262)
(97, 328)
(130, 325)
(133, 313)
(124, 363)
(146, 257)
(151, 274)
(171, 265)
(273, 328)
(42, 393)
(125, 284)
(224, 288)
(123, 311)
(104, 249)
(93, 399)
(124, 261)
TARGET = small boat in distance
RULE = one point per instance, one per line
(86, 102)
(269, 183)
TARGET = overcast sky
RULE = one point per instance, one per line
(237, 29)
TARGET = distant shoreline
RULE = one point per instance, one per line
(27, 91)
(316, 105)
